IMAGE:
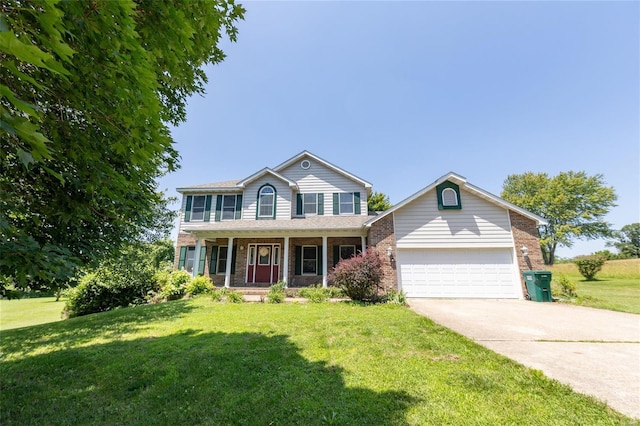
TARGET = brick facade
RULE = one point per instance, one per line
(525, 233)
(381, 237)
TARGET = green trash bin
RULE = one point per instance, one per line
(538, 285)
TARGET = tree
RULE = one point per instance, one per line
(573, 203)
(87, 90)
(378, 202)
(628, 243)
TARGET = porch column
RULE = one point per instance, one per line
(285, 266)
(325, 269)
(227, 273)
(196, 258)
(363, 242)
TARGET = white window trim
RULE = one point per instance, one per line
(303, 259)
(304, 196)
(235, 200)
(273, 203)
(193, 204)
(455, 194)
(353, 204)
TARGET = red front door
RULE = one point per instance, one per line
(263, 263)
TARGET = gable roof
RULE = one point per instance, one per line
(227, 185)
(263, 172)
(461, 181)
(325, 163)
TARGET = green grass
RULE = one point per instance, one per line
(197, 362)
(24, 312)
(617, 286)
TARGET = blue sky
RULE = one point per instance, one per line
(400, 93)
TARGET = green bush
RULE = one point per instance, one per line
(199, 285)
(360, 276)
(589, 266)
(226, 295)
(276, 293)
(175, 287)
(395, 297)
(234, 297)
(565, 287)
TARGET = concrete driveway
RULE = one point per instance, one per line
(595, 351)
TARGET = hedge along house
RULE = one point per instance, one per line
(453, 239)
(291, 223)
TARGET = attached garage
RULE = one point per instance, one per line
(453, 239)
(470, 273)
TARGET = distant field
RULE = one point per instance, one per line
(617, 286)
(25, 312)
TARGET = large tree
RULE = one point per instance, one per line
(573, 203)
(87, 91)
(628, 240)
(378, 202)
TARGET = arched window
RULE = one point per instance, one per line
(449, 197)
(267, 202)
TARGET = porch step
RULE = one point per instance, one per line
(261, 291)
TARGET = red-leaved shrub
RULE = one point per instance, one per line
(359, 277)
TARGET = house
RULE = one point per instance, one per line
(296, 221)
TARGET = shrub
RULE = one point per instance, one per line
(234, 296)
(276, 293)
(589, 266)
(315, 294)
(175, 287)
(566, 287)
(199, 285)
(226, 295)
(395, 297)
(359, 277)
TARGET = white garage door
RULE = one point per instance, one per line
(473, 273)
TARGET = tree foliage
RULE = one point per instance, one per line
(87, 90)
(589, 266)
(378, 202)
(573, 203)
(628, 240)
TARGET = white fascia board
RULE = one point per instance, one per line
(263, 172)
(327, 164)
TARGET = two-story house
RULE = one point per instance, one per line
(296, 221)
(291, 223)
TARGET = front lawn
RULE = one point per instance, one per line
(616, 287)
(31, 311)
(197, 362)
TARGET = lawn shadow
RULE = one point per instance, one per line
(189, 378)
(76, 331)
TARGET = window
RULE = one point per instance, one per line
(252, 255)
(347, 252)
(309, 260)
(449, 197)
(190, 258)
(221, 267)
(346, 203)
(276, 255)
(310, 203)
(197, 207)
(266, 202)
(448, 194)
(264, 255)
(228, 207)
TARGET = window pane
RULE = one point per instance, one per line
(309, 260)
(264, 255)
(449, 197)
(189, 261)
(252, 255)
(228, 207)
(346, 203)
(197, 208)
(222, 259)
(276, 255)
(347, 252)
(310, 203)
(265, 201)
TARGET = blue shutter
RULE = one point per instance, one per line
(183, 256)
(207, 209)
(218, 207)
(320, 204)
(202, 260)
(213, 265)
(238, 207)
(356, 202)
(336, 204)
(187, 209)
